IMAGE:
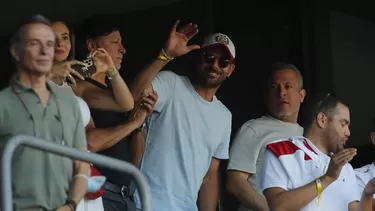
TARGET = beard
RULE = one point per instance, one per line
(205, 78)
(283, 116)
(334, 142)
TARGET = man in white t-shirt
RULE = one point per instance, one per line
(367, 172)
(285, 95)
(313, 172)
(188, 133)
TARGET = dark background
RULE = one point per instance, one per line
(295, 31)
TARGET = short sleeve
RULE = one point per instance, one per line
(222, 151)
(164, 84)
(363, 176)
(352, 186)
(245, 150)
(272, 174)
(79, 137)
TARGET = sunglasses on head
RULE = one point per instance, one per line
(210, 59)
(324, 100)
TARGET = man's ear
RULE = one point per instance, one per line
(373, 138)
(321, 120)
(232, 67)
(91, 45)
(15, 53)
(302, 94)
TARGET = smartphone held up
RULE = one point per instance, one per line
(86, 70)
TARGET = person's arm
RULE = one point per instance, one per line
(117, 99)
(243, 158)
(103, 138)
(239, 186)
(121, 92)
(78, 184)
(274, 180)
(137, 146)
(175, 46)
(279, 198)
(354, 193)
(363, 176)
(209, 191)
(367, 201)
(142, 82)
(138, 137)
(99, 139)
(366, 204)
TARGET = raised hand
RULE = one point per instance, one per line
(63, 70)
(103, 62)
(177, 41)
(338, 161)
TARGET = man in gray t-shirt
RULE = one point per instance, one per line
(285, 94)
(189, 132)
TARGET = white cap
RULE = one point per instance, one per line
(220, 39)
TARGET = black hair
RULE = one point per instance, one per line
(98, 26)
(322, 103)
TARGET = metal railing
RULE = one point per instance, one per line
(75, 154)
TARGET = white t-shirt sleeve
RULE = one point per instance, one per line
(352, 186)
(222, 151)
(244, 151)
(164, 84)
(363, 176)
(272, 174)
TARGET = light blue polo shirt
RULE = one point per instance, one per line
(183, 135)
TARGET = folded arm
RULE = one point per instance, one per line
(99, 139)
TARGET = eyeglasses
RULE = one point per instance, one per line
(210, 59)
(323, 101)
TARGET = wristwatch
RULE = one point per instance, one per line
(141, 128)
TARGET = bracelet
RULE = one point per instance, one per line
(163, 56)
(82, 176)
(111, 73)
(319, 189)
(72, 204)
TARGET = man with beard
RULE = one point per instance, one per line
(189, 132)
(313, 170)
(284, 96)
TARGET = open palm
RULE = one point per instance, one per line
(178, 40)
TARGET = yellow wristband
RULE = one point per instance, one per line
(319, 189)
(162, 57)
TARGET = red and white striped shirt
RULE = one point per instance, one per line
(292, 163)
